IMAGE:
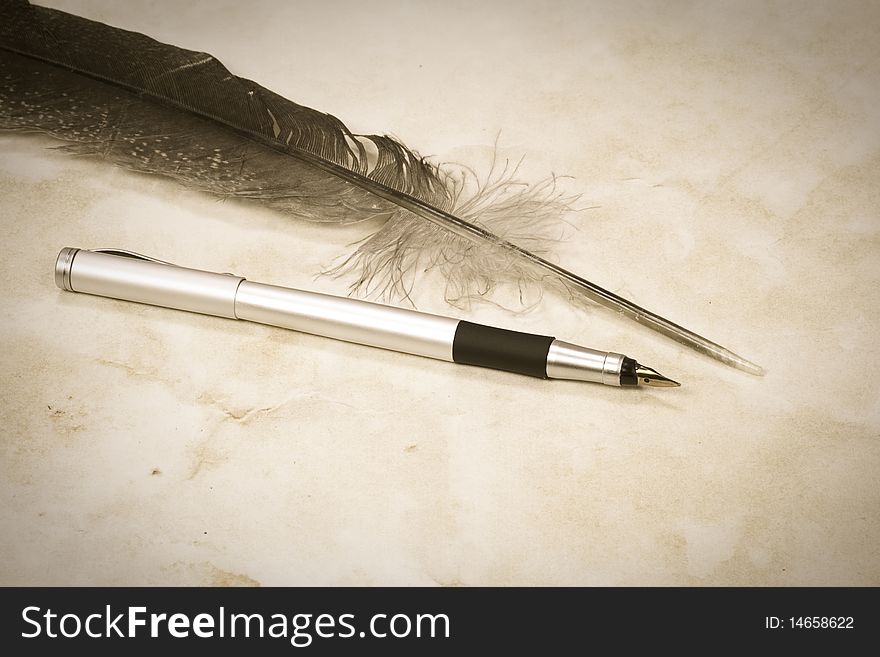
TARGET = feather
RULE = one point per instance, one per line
(160, 109)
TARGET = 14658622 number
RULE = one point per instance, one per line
(822, 622)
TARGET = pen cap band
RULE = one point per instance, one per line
(62, 268)
(145, 281)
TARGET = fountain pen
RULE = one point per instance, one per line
(121, 274)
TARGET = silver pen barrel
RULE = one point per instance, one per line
(132, 277)
(351, 320)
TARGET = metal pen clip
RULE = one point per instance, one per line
(131, 254)
(65, 261)
(125, 253)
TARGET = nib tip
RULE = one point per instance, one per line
(648, 376)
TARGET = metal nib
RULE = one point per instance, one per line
(651, 377)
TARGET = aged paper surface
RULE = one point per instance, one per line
(728, 157)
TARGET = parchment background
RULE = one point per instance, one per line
(730, 154)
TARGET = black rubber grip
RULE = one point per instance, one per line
(500, 349)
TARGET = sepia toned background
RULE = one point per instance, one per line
(728, 161)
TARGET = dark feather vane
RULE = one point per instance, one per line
(86, 83)
(160, 109)
(156, 108)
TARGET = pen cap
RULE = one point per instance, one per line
(138, 279)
